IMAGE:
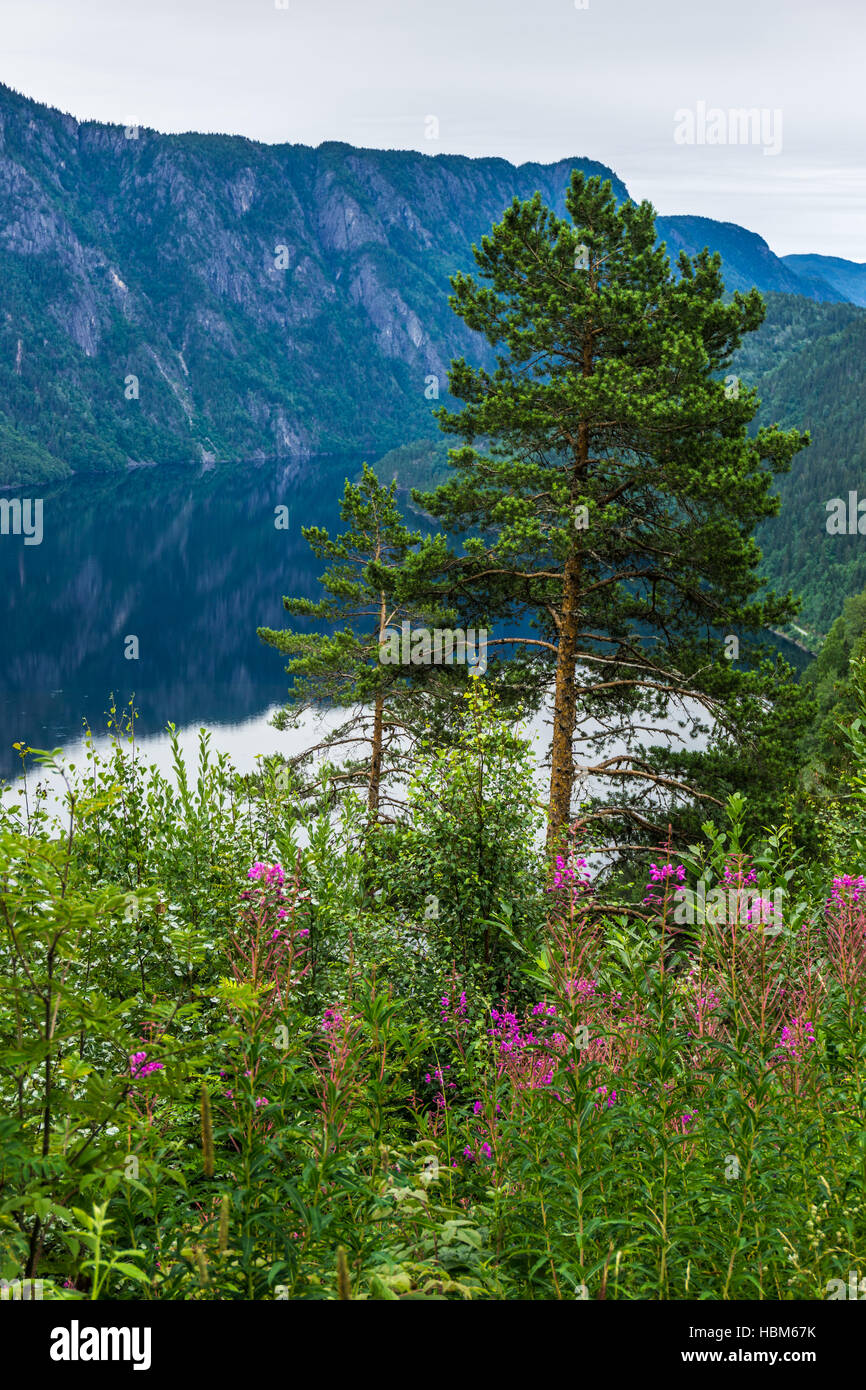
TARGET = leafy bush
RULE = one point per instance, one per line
(230, 1070)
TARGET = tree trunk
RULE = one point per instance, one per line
(564, 697)
(564, 709)
(378, 713)
(376, 755)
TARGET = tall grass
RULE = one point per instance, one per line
(230, 1071)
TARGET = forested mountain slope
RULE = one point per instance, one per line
(808, 362)
(204, 297)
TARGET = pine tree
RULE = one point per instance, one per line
(608, 474)
(343, 667)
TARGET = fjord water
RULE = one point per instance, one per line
(189, 563)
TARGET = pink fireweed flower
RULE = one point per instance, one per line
(460, 1008)
(658, 874)
(797, 1036)
(484, 1151)
(529, 1053)
(672, 875)
(139, 1065)
(437, 1078)
(478, 1106)
(681, 1122)
(266, 948)
(566, 875)
(271, 873)
(847, 889)
(738, 877)
(581, 988)
(761, 910)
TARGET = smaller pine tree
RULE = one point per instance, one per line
(343, 667)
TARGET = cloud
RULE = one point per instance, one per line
(521, 79)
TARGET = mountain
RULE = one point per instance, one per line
(261, 300)
(746, 257)
(808, 363)
(199, 298)
(848, 278)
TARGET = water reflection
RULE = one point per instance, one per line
(189, 564)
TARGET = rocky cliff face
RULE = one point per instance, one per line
(181, 298)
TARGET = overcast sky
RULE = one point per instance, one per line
(523, 79)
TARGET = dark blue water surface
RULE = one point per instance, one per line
(190, 564)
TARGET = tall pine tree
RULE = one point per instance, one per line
(612, 485)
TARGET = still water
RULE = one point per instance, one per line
(187, 563)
